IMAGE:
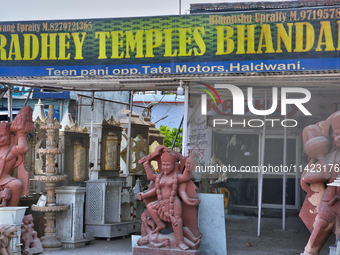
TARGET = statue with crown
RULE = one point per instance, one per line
(170, 221)
(13, 147)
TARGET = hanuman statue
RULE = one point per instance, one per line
(13, 146)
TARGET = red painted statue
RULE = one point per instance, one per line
(320, 210)
(171, 201)
(13, 146)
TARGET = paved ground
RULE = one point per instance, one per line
(117, 246)
(241, 239)
(242, 230)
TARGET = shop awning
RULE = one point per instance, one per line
(324, 80)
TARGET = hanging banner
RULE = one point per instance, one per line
(235, 42)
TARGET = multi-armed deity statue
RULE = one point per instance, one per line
(164, 206)
(13, 146)
(320, 211)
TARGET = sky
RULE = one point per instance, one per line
(20, 10)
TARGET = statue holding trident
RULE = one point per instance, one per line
(171, 201)
(13, 146)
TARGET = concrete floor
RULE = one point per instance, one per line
(242, 230)
(117, 246)
(241, 239)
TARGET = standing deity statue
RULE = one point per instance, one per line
(320, 210)
(13, 146)
(171, 201)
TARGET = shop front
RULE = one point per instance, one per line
(241, 152)
(250, 154)
(252, 81)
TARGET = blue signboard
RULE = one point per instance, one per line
(278, 40)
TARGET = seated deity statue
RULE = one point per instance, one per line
(28, 234)
(171, 202)
(13, 146)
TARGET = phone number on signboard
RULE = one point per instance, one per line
(315, 14)
(64, 26)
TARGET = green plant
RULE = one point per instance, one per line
(169, 136)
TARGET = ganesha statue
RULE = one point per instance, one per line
(320, 211)
(170, 220)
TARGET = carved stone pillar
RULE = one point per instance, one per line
(50, 240)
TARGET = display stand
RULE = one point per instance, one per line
(13, 216)
(103, 210)
(70, 223)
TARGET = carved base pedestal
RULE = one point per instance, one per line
(140, 250)
(35, 250)
(111, 230)
(50, 240)
(51, 243)
(13, 216)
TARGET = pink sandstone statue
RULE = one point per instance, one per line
(7, 232)
(158, 240)
(29, 237)
(13, 146)
(5, 195)
(320, 210)
(164, 206)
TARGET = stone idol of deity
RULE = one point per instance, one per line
(171, 202)
(320, 211)
(29, 237)
(13, 146)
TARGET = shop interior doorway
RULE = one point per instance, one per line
(242, 152)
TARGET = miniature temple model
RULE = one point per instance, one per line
(164, 206)
(106, 137)
(75, 140)
(139, 142)
(39, 138)
(109, 210)
(320, 209)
